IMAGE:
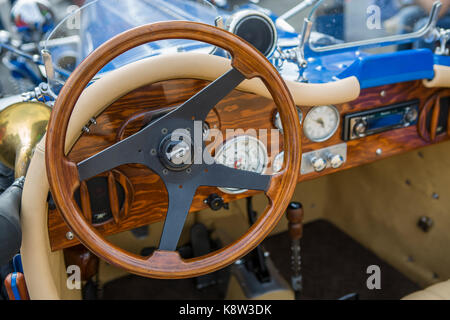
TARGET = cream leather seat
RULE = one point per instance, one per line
(439, 291)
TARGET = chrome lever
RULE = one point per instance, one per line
(297, 54)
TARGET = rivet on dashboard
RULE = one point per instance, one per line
(379, 152)
(425, 223)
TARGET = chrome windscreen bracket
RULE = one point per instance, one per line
(297, 54)
(48, 64)
(443, 36)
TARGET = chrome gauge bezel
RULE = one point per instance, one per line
(327, 137)
(237, 139)
(233, 23)
(277, 119)
(278, 158)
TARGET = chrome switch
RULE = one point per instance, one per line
(335, 160)
(332, 157)
(319, 164)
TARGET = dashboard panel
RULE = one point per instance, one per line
(137, 196)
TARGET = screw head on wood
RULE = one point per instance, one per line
(70, 235)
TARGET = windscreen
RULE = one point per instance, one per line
(346, 21)
(88, 27)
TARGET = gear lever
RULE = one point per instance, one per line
(295, 216)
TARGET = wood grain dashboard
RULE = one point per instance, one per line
(137, 196)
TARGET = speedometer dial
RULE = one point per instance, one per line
(243, 153)
(321, 123)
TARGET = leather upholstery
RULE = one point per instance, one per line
(440, 291)
(441, 78)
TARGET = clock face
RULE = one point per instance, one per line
(321, 123)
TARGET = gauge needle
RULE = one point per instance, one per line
(321, 122)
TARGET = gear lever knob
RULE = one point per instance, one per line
(295, 216)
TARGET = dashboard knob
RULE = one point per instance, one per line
(216, 202)
(319, 164)
(336, 160)
(360, 128)
(411, 115)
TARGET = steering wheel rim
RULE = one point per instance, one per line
(64, 175)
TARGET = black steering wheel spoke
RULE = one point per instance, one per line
(218, 175)
(160, 141)
(198, 107)
(134, 149)
(180, 200)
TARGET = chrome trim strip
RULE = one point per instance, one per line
(239, 16)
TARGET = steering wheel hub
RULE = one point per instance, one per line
(176, 151)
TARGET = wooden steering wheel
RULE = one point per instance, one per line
(151, 147)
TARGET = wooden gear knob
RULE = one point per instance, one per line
(295, 216)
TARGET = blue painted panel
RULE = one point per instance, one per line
(442, 60)
(15, 290)
(388, 68)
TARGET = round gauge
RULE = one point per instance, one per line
(277, 120)
(256, 28)
(278, 162)
(243, 153)
(321, 123)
